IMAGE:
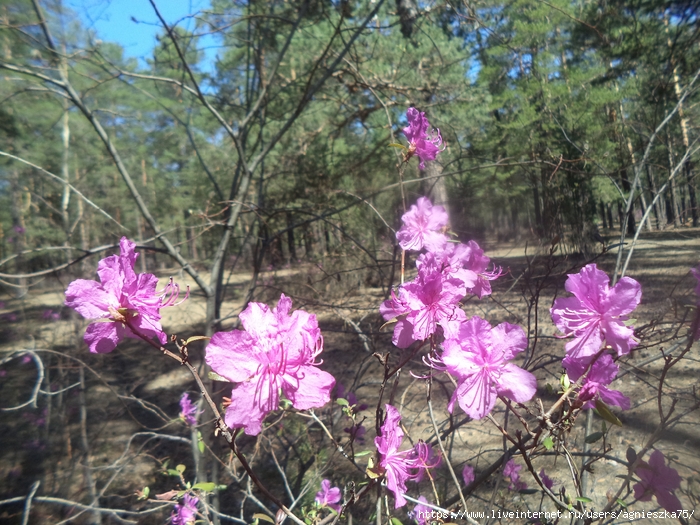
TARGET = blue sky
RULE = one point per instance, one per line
(112, 21)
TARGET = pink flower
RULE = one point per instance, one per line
(429, 301)
(421, 513)
(659, 480)
(546, 480)
(188, 411)
(400, 466)
(277, 351)
(512, 472)
(329, 496)
(478, 356)
(594, 386)
(185, 512)
(424, 145)
(350, 397)
(468, 475)
(422, 225)
(465, 262)
(357, 433)
(596, 313)
(50, 315)
(123, 297)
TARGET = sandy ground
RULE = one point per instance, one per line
(136, 390)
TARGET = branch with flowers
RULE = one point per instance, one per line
(275, 362)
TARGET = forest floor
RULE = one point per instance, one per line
(137, 390)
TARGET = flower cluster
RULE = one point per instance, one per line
(275, 353)
(123, 303)
(421, 143)
(476, 353)
(447, 272)
(596, 318)
(401, 466)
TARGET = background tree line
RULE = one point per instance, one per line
(279, 150)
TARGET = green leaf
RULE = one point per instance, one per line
(180, 468)
(528, 491)
(205, 486)
(621, 503)
(363, 453)
(196, 338)
(592, 438)
(342, 402)
(264, 517)
(583, 499)
(630, 322)
(216, 377)
(396, 521)
(173, 472)
(565, 382)
(200, 442)
(221, 487)
(606, 414)
(548, 443)
(397, 145)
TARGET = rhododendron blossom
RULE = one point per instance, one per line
(185, 513)
(424, 145)
(546, 480)
(123, 302)
(429, 301)
(479, 357)
(422, 227)
(329, 496)
(188, 410)
(659, 480)
(276, 352)
(512, 472)
(597, 313)
(421, 512)
(594, 386)
(400, 466)
(468, 475)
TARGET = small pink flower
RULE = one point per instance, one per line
(357, 433)
(424, 145)
(597, 313)
(468, 475)
(188, 410)
(329, 496)
(594, 386)
(512, 472)
(546, 480)
(400, 466)
(659, 480)
(276, 352)
(421, 512)
(185, 513)
(422, 225)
